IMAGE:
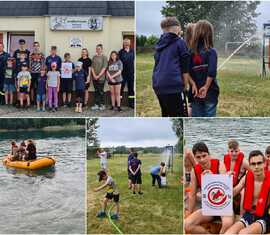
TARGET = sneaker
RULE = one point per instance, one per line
(141, 193)
(112, 108)
(53, 110)
(56, 109)
(119, 109)
(95, 107)
(134, 192)
(101, 214)
(114, 216)
(102, 107)
(69, 104)
(43, 110)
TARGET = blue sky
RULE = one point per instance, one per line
(148, 16)
(139, 132)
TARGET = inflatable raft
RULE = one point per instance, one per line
(30, 165)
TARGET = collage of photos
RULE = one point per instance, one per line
(134, 117)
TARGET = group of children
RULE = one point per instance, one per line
(39, 81)
(251, 188)
(185, 70)
(134, 180)
(24, 152)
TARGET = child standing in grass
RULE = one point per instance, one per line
(136, 175)
(24, 84)
(9, 82)
(41, 90)
(203, 71)
(111, 193)
(170, 72)
(53, 84)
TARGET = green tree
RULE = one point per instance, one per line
(232, 20)
(151, 40)
(177, 126)
(92, 138)
(141, 40)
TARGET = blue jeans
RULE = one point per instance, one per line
(204, 109)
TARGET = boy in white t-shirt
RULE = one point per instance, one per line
(103, 159)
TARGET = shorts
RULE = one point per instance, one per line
(9, 88)
(114, 83)
(114, 196)
(248, 218)
(66, 85)
(136, 179)
(79, 96)
(24, 90)
(41, 98)
(34, 80)
(103, 165)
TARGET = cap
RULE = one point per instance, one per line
(78, 64)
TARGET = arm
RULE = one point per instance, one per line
(93, 73)
(108, 75)
(100, 187)
(103, 70)
(139, 167)
(28, 89)
(222, 168)
(132, 172)
(116, 74)
(237, 189)
(58, 83)
(192, 194)
(246, 165)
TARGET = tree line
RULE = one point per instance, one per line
(27, 123)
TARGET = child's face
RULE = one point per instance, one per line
(98, 50)
(78, 68)
(267, 155)
(42, 72)
(67, 58)
(202, 158)
(53, 67)
(24, 68)
(9, 64)
(22, 56)
(53, 52)
(114, 56)
(234, 152)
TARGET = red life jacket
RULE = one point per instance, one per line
(198, 170)
(266, 167)
(237, 165)
(261, 204)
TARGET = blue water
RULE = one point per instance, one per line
(252, 134)
(52, 201)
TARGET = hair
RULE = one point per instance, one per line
(43, 68)
(162, 163)
(135, 154)
(131, 150)
(233, 144)
(13, 143)
(24, 65)
(267, 150)
(101, 174)
(22, 41)
(36, 43)
(255, 153)
(200, 147)
(203, 33)
(189, 34)
(54, 48)
(23, 143)
(117, 57)
(169, 22)
(85, 49)
(66, 54)
(100, 45)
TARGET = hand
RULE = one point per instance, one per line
(202, 92)
(194, 89)
(95, 190)
(58, 89)
(207, 172)
(231, 173)
(188, 152)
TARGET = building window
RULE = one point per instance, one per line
(13, 41)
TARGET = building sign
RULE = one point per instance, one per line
(75, 42)
(217, 195)
(267, 30)
(92, 23)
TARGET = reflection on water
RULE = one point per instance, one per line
(250, 133)
(49, 200)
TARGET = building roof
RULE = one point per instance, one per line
(41, 8)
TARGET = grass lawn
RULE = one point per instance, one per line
(156, 211)
(242, 92)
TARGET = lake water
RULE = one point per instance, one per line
(52, 201)
(252, 134)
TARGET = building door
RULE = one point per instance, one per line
(131, 38)
(13, 41)
(1, 38)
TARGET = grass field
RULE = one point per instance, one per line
(156, 211)
(242, 91)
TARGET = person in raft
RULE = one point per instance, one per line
(14, 150)
(170, 73)
(111, 193)
(205, 165)
(31, 151)
(103, 159)
(136, 175)
(156, 173)
(203, 71)
(267, 159)
(256, 186)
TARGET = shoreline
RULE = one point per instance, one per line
(48, 128)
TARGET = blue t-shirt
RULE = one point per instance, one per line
(53, 59)
(134, 163)
(41, 89)
(79, 77)
(155, 170)
(130, 157)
